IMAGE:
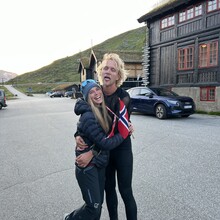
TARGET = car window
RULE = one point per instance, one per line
(163, 92)
(134, 92)
(139, 92)
(145, 92)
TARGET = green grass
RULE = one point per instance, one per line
(35, 88)
(208, 113)
(8, 94)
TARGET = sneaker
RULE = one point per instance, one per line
(66, 216)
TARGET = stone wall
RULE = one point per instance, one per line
(194, 92)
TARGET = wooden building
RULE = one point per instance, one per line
(66, 87)
(183, 49)
(133, 64)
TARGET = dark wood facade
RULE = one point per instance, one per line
(184, 48)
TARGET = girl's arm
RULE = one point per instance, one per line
(94, 132)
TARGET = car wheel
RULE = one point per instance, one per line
(0, 106)
(161, 111)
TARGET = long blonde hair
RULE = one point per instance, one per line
(101, 114)
(120, 67)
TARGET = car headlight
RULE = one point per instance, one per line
(173, 102)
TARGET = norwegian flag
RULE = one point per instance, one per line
(123, 120)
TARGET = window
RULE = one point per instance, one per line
(182, 16)
(167, 22)
(190, 13)
(208, 54)
(207, 94)
(198, 10)
(145, 92)
(213, 5)
(185, 58)
(134, 92)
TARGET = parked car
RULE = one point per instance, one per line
(56, 94)
(48, 93)
(160, 102)
(2, 99)
(68, 94)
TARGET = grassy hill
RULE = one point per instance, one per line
(66, 69)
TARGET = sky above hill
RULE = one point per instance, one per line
(34, 33)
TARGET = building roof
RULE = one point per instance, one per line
(165, 7)
(84, 63)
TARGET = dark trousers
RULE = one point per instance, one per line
(91, 181)
(121, 162)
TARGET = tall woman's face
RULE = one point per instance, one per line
(96, 95)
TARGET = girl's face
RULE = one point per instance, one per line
(109, 73)
(96, 95)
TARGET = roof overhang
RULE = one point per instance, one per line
(165, 8)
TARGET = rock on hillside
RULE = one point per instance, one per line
(6, 76)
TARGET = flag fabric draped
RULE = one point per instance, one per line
(123, 128)
(123, 120)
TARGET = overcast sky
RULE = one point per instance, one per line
(34, 33)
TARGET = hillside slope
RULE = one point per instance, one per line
(66, 69)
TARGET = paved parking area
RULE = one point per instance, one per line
(176, 164)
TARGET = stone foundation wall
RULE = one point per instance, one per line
(194, 92)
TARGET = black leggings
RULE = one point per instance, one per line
(91, 181)
(121, 162)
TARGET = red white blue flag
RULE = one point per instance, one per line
(123, 120)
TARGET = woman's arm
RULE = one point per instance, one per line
(94, 132)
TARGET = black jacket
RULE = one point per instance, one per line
(93, 134)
